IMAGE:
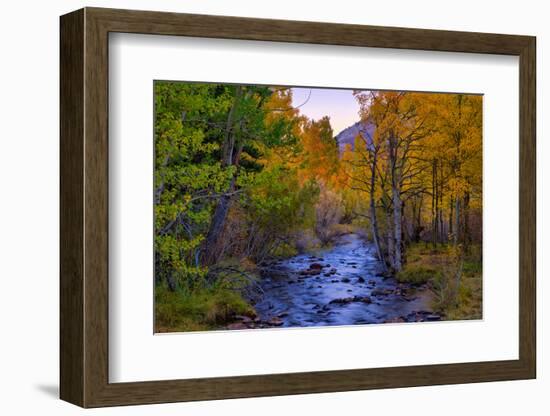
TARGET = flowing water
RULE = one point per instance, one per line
(341, 285)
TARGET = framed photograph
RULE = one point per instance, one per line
(255, 207)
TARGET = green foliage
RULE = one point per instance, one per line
(187, 172)
(285, 250)
(211, 144)
(196, 127)
(472, 267)
(453, 276)
(417, 274)
(470, 291)
(203, 309)
(276, 199)
(241, 176)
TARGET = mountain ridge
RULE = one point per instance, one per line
(348, 135)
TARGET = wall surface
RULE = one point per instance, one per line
(29, 224)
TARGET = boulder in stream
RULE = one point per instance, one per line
(345, 301)
(310, 272)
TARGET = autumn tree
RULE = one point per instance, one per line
(244, 131)
(401, 122)
(213, 143)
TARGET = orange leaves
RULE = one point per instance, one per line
(319, 151)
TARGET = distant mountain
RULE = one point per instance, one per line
(348, 135)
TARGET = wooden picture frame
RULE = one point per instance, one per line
(84, 207)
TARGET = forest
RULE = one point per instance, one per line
(265, 217)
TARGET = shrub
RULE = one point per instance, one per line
(416, 274)
(328, 213)
(472, 268)
(196, 311)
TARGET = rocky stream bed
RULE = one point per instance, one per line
(340, 285)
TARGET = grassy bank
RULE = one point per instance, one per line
(455, 278)
(215, 305)
(201, 309)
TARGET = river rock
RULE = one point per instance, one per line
(272, 272)
(275, 321)
(396, 320)
(236, 326)
(360, 279)
(344, 301)
(346, 280)
(381, 292)
(244, 319)
(315, 266)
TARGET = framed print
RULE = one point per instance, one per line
(256, 207)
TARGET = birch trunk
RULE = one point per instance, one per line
(434, 198)
(397, 213)
(457, 221)
(396, 202)
(466, 237)
(390, 240)
(451, 205)
(373, 218)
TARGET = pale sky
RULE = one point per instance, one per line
(340, 105)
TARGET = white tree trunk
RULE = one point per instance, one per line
(373, 218)
(397, 206)
(390, 239)
(457, 221)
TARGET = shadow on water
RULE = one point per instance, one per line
(341, 285)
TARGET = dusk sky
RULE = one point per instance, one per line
(340, 105)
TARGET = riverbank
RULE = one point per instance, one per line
(454, 278)
(340, 284)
